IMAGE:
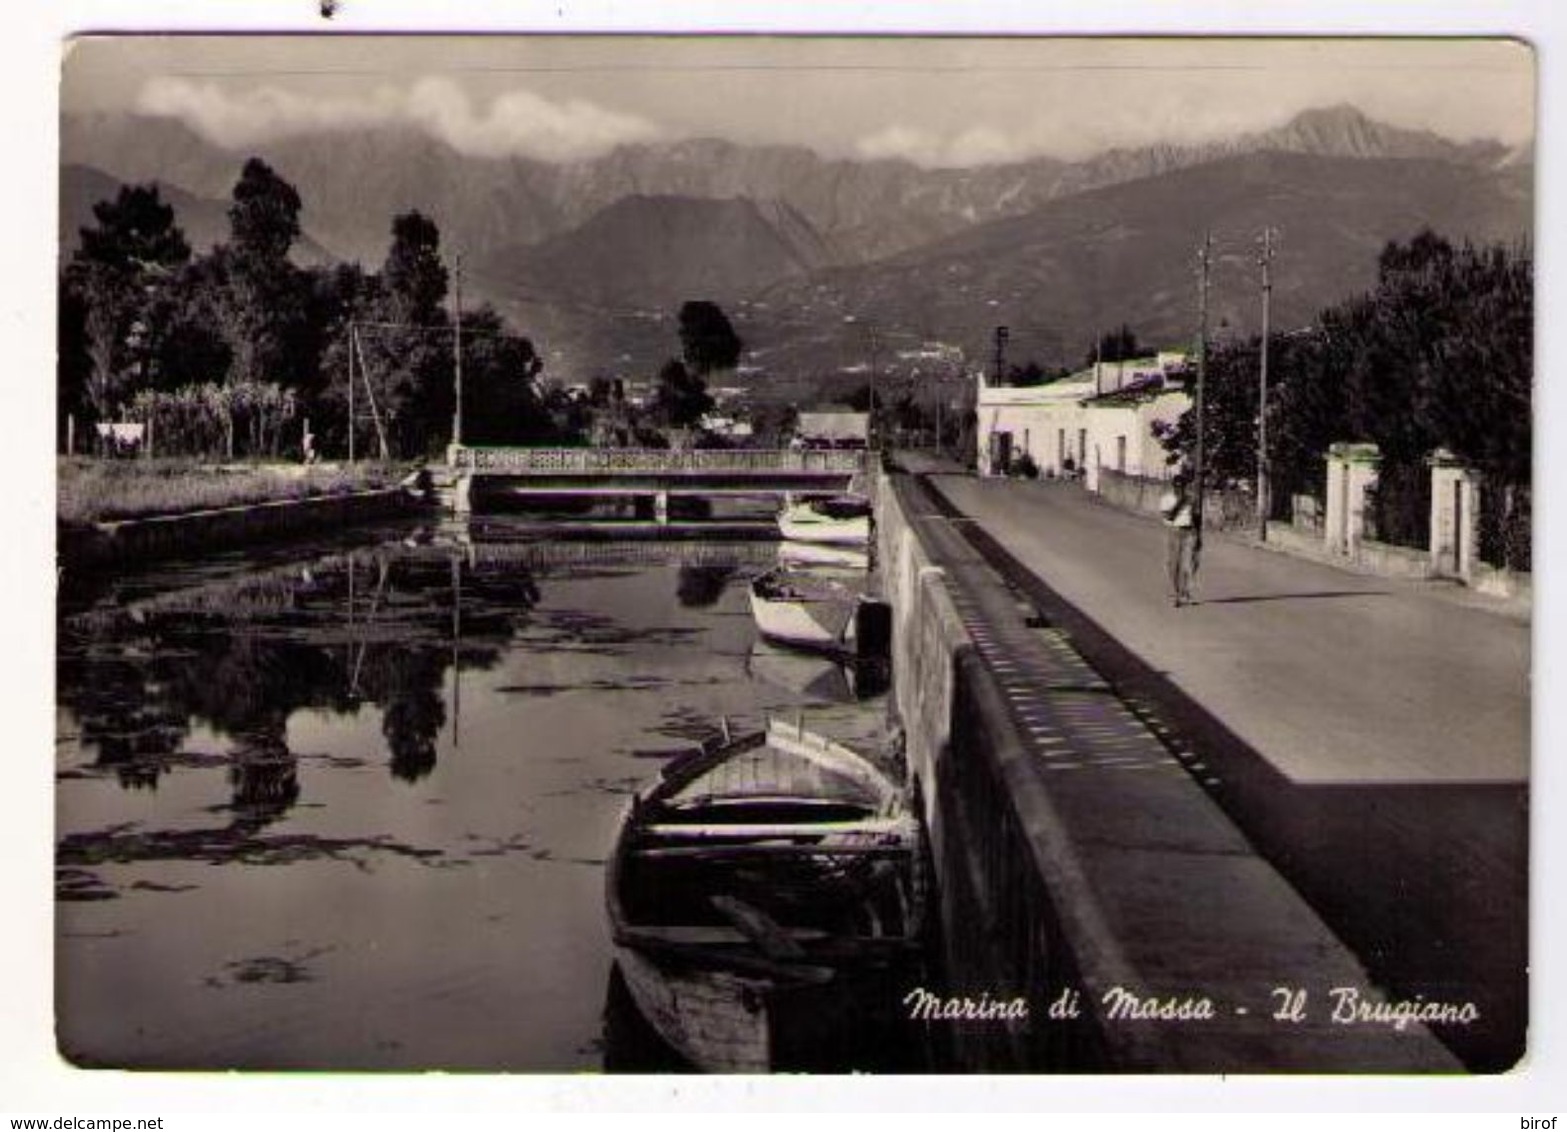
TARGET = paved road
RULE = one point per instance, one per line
(1334, 677)
(1369, 737)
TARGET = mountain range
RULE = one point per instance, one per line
(592, 257)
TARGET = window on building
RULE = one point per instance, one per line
(1120, 454)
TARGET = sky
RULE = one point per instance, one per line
(950, 101)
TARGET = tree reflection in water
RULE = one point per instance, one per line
(264, 779)
(240, 656)
(699, 587)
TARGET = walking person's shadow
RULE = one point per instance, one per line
(1251, 599)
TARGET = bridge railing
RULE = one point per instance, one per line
(601, 461)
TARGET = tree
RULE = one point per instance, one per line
(416, 365)
(1229, 418)
(339, 295)
(708, 341)
(1031, 373)
(259, 294)
(681, 399)
(190, 347)
(858, 398)
(501, 400)
(414, 276)
(1118, 345)
(113, 280)
(264, 215)
(1438, 355)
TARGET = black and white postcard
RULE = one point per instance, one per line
(794, 553)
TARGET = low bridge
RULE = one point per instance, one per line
(658, 473)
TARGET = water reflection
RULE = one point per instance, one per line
(818, 677)
(391, 772)
(240, 657)
(702, 586)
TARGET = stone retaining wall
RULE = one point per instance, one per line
(104, 546)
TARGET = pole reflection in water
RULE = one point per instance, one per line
(269, 854)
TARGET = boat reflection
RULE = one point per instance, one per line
(817, 676)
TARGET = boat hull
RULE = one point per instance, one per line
(716, 1020)
(804, 526)
(822, 554)
(822, 624)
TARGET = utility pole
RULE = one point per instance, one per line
(351, 420)
(874, 433)
(1002, 334)
(1266, 260)
(375, 411)
(457, 348)
(872, 345)
(1204, 257)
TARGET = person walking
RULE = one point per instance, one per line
(1181, 540)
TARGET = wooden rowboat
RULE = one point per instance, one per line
(758, 892)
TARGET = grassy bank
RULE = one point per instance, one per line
(91, 491)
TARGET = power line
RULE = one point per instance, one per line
(467, 331)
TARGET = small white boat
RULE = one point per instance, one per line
(804, 610)
(807, 554)
(765, 898)
(843, 520)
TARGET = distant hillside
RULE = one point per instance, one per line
(862, 210)
(590, 257)
(1334, 131)
(655, 251)
(1128, 254)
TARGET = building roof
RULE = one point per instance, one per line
(1104, 383)
(1134, 393)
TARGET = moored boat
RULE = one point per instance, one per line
(763, 895)
(805, 610)
(821, 554)
(843, 520)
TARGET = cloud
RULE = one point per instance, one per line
(518, 123)
(977, 145)
(523, 123)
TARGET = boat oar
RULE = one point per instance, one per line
(760, 928)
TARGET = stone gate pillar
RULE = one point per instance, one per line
(1455, 517)
(1352, 473)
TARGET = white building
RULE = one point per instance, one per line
(832, 429)
(1100, 417)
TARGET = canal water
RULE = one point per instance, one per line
(347, 805)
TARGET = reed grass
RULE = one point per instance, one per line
(89, 491)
